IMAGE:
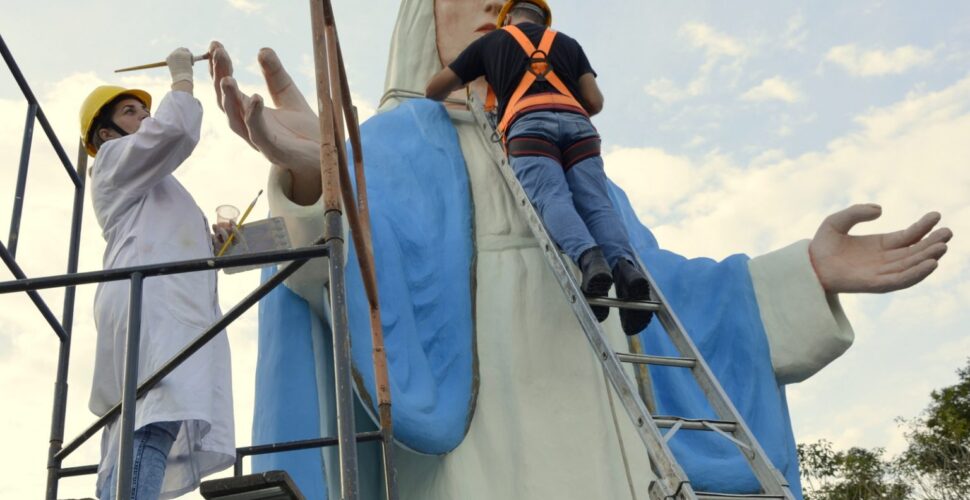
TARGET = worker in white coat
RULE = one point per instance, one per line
(184, 425)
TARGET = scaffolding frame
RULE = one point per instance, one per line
(334, 106)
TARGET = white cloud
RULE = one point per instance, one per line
(773, 89)
(722, 53)
(795, 34)
(665, 90)
(247, 6)
(910, 157)
(714, 43)
(861, 62)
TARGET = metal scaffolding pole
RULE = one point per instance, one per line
(18, 199)
(129, 387)
(59, 411)
(335, 108)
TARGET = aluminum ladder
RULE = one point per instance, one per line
(671, 482)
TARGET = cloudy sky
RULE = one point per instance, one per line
(734, 126)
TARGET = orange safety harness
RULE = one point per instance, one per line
(539, 69)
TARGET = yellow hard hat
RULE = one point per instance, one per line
(511, 3)
(96, 100)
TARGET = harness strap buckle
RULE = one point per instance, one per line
(539, 66)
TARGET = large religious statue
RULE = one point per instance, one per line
(496, 393)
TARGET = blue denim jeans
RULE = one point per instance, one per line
(152, 444)
(574, 205)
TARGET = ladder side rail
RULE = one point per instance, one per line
(669, 471)
(767, 474)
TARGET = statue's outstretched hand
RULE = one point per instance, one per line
(875, 263)
(289, 135)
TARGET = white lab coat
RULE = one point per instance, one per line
(147, 217)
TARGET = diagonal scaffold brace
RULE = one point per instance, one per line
(335, 109)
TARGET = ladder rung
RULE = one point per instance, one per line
(694, 424)
(640, 305)
(641, 359)
(703, 495)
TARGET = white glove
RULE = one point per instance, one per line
(180, 65)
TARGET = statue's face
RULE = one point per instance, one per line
(460, 22)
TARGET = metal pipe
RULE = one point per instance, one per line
(638, 305)
(56, 144)
(304, 444)
(83, 470)
(365, 253)
(694, 424)
(18, 199)
(343, 381)
(41, 117)
(196, 344)
(246, 451)
(34, 296)
(644, 359)
(328, 148)
(126, 449)
(334, 233)
(24, 284)
(59, 411)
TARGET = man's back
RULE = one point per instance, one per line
(501, 59)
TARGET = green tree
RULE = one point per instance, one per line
(934, 466)
(856, 474)
(937, 459)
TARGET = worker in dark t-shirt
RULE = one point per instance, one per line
(546, 91)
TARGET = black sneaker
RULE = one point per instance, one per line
(597, 279)
(631, 284)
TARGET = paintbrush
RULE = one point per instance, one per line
(161, 64)
(242, 219)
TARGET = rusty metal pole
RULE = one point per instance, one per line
(346, 430)
(360, 228)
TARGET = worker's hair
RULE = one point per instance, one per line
(104, 119)
(521, 10)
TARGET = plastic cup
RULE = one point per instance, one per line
(226, 214)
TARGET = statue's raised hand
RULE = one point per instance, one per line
(288, 136)
(875, 263)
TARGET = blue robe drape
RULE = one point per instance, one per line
(422, 220)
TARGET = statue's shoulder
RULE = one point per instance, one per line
(412, 127)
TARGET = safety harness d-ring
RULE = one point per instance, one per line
(539, 66)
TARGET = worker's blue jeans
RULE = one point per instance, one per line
(574, 205)
(152, 444)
